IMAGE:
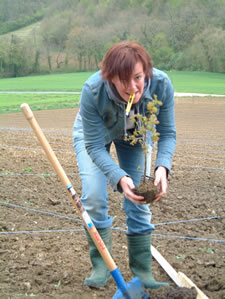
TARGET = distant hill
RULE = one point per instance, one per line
(22, 33)
(15, 14)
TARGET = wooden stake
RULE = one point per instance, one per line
(179, 278)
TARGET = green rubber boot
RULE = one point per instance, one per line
(100, 274)
(140, 260)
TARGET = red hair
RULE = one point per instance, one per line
(121, 59)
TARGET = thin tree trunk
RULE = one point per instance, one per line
(145, 157)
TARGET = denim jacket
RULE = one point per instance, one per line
(103, 121)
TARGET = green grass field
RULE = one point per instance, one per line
(196, 82)
(10, 103)
(55, 82)
(199, 82)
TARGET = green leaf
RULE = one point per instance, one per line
(181, 256)
(45, 175)
(29, 169)
(58, 284)
(207, 249)
(6, 172)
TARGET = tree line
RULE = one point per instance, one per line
(75, 34)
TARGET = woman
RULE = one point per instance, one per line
(126, 69)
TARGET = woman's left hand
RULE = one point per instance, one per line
(160, 181)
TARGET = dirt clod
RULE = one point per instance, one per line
(174, 293)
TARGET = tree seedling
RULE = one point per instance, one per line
(145, 124)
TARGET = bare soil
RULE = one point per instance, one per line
(45, 255)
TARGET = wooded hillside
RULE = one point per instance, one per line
(75, 34)
(19, 13)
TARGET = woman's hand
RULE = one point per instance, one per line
(160, 181)
(127, 185)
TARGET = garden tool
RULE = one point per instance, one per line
(134, 289)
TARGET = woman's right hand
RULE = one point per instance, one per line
(127, 185)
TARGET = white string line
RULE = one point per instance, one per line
(28, 130)
(35, 174)
(198, 166)
(174, 163)
(116, 228)
(35, 141)
(201, 158)
(179, 141)
(177, 149)
(69, 132)
(63, 151)
(35, 149)
(199, 145)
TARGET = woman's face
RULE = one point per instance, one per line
(136, 84)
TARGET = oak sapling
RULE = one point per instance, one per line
(143, 125)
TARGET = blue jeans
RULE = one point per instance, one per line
(94, 185)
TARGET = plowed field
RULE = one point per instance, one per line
(43, 248)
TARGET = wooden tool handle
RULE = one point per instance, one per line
(68, 186)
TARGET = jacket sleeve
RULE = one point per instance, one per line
(166, 127)
(94, 138)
